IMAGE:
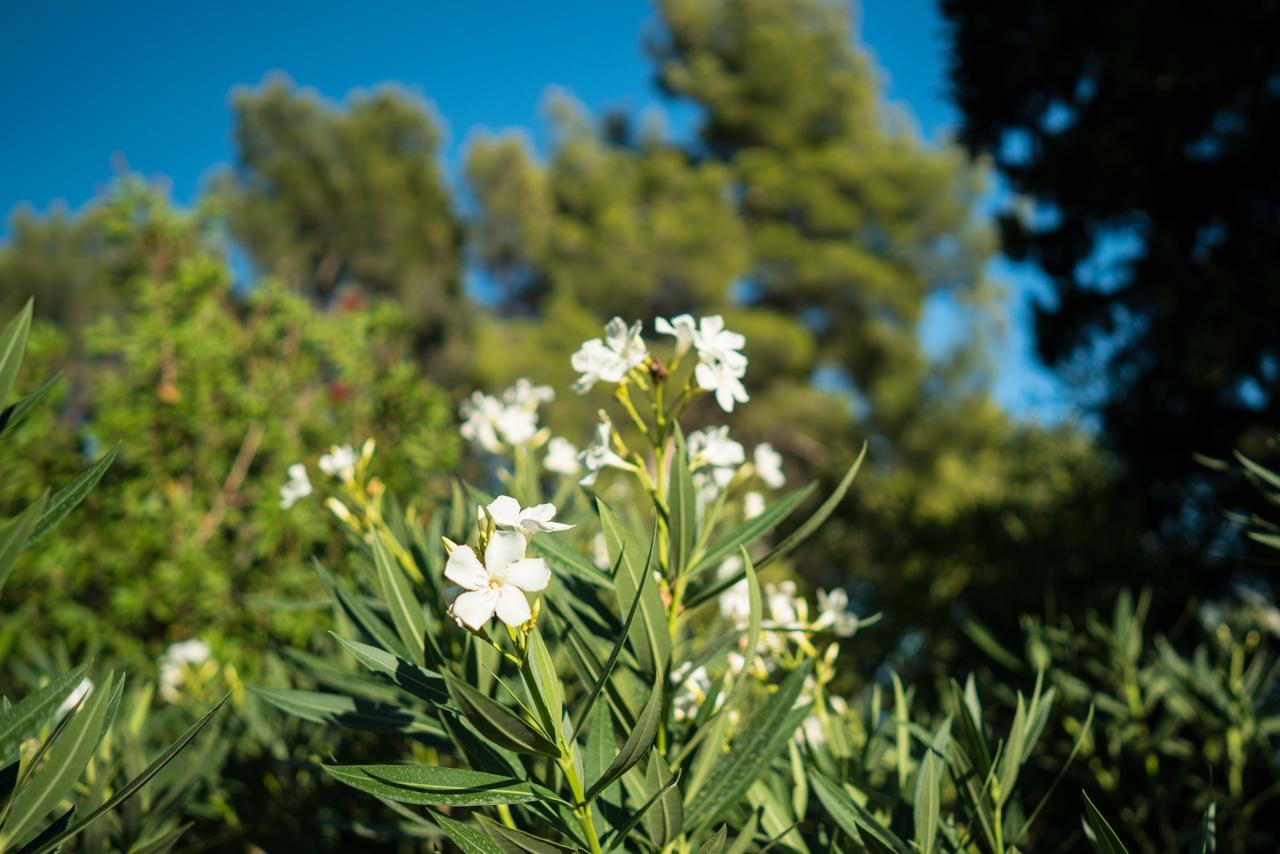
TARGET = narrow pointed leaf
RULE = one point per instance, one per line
(806, 530)
(419, 681)
(852, 818)
(406, 610)
(432, 785)
(755, 527)
(638, 742)
(16, 535)
(71, 495)
(497, 723)
(13, 345)
(23, 720)
(1103, 839)
(16, 412)
(683, 500)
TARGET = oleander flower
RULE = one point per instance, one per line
(834, 613)
(609, 359)
(174, 663)
(723, 381)
(339, 463)
(600, 454)
(714, 449)
(507, 513)
(753, 504)
(717, 344)
(498, 585)
(768, 463)
(562, 457)
(526, 395)
(682, 328)
(297, 487)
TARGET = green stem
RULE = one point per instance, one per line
(582, 810)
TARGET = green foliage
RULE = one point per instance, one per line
(207, 398)
(48, 737)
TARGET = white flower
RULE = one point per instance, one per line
(495, 586)
(82, 690)
(600, 551)
(753, 504)
(297, 487)
(600, 454)
(492, 423)
(562, 457)
(713, 447)
(781, 600)
(480, 413)
(768, 463)
(717, 344)
(610, 359)
(525, 394)
(814, 731)
(681, 327)
(174, 663)
(693, 688)
(339, 463)
(834, 613)
(727, 384)
(507, 513)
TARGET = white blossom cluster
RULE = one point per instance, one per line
(498, 423)
(721, 364)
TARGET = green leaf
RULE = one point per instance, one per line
(561, 557)
(497, 723)
(755, 527)
(58, 826)
(71, 495)
(468, 839)
(67, 757)
(806, 530)
(638, 742)
(636, 816)
(406, 610)
(666, 819)
(13, 345)
(752, 751)
(432, 785)
(16, 535)
(927, 805)
(344, 711)
(517, 841)
(1099, 832)
(550, 695)
(418, 681)
(360, 614)
(13, 415)
(131, 788)
(682, 498)
(852, 818)
(653, 652)
(747, 836)
(619, 644)
(24, 719)
(600, 749)
(714, 844)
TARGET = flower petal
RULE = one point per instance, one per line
(504, 549)
(511, 606)
(505, 510)
(528, 574)
(465, 570)
(475, 607)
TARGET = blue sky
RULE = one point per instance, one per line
(90, 88)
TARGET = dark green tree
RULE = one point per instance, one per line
(1139, 138)
(328, 198)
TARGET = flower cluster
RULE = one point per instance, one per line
(508, 421)
(341, 464)
(497, 585)
(721, 363)
(176, 663)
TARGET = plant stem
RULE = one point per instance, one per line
(582, 809)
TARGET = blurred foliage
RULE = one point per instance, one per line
(1137, 140)
(209, 397)
(324, 197)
